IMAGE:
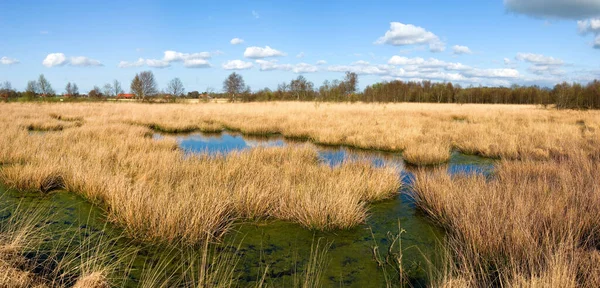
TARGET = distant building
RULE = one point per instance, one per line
(125, 96)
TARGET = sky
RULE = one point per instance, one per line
(467, 42)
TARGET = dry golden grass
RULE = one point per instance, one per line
(157, 193)
(499, 131)
(535, 224)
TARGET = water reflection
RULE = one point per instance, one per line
(281, 245)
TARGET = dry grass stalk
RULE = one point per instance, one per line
(534, 225)
(157, 193)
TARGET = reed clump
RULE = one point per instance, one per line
(535, 224)
(158, 193)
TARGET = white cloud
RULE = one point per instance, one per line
(269, 65)
(190, 60)
(236, 41)
(589, 26)
(8, 61)
(124, 64)
(458, 49)
(541, 64)
(418, 62)
(300, 55)
(321, 62)
(540, 70)
(237, 65)
(156, 63)
(407, 34)
(196, 63)
(507, 61)
(174, 56)
(260, 52)
(84, 61)
(362, 69)
(492, 73)
(437, 46)
(54, 59)
(255, 14)
(569, 9)
(538, 59)
(59, 59)
(305, 68)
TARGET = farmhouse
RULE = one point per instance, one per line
(125, 96)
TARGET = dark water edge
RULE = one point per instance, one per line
(280, 248)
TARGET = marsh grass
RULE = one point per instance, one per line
(158, 193)
(534, 224)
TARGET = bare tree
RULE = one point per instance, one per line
(44, 86)
(144, 85)
(71, 90)
(117, 87)
(233, 85)
(351, 82)
(302, 88)
(5, 89)
(107, 89)
(175, 87)
(32, 88)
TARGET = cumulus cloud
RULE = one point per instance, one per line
(300, 55)
(174, 56)
(84, 61)
(401, 34)
(59, 59)
(260, 52)
(492, 73)
(269, 65)
(321, 62)
(236, 41)
(237, 65)
(538, 59)
(569, 9)
(304, 68)
(54, 59)
(458, 49)
(541, 64)
(420, 62)
(124, 64)
(190, 60)
(156, 63)
(362, 69)
(589, 26)
(8, 61)
(507, 61)
(196, 63)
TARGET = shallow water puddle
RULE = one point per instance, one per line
(281, 246)
(285, 247)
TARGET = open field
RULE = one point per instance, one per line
(533, 222)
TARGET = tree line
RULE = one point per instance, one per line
(145, 87)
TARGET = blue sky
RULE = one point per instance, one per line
(467, 42)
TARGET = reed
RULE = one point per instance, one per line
(157, 193)
(534, 224)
